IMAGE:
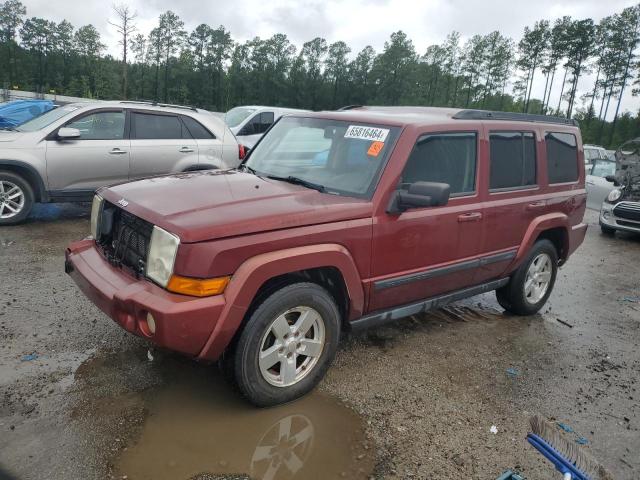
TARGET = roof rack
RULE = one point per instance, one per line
(512, 116)
(156, 104)
(349, 107)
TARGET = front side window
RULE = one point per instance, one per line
(100, 126)
(342, 157)
(146, 126)
(258, 124)
(236, 116)
(446, 158)
(602, 168)
(562, 157)
(513, 159)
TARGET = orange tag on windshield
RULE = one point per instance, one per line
(375, 149)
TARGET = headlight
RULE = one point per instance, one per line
(614, 195)
(162, 255)
(96, 208)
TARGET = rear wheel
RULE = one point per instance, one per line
(287, 344)
(532, 283)
(16, 198)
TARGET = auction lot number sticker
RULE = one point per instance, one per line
(366, 133)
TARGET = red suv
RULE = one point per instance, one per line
(336, 220)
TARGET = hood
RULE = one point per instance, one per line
(9, 135)
(216, 204)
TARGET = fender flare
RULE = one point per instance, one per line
(539, 225)
(34, 178)
(255, 271)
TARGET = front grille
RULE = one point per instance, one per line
(628, 211)
(124, 238)
(628, 224)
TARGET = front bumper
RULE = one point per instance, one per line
(608, 218)
(183, 323)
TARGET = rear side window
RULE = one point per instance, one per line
(562, 157)
(196, 129)
(157, 127)
(447, 158)
(513, 159)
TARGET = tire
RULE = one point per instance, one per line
(513, 296)
(23, 202)
(277, 384)
(607, 230)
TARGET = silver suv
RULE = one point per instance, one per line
(67, 153)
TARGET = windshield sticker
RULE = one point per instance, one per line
(366, 133)
(375, 148)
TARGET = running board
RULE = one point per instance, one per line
(385, 316)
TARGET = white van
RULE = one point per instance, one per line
(248, 123)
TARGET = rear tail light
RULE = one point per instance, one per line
(241, 152)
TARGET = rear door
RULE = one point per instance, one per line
(160, 143)
(514, 197)
(99, 157)
(209, 147)
(255, 127)
(424, 252)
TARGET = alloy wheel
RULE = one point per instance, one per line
(291, 346)
(12, 199)
(538, 278)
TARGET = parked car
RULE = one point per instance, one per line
(18, 112)
(65, 154)
(598, 187)
(621, 209)
(593, 153)
(264, 266)
(249, 123)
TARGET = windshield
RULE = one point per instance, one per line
(46, 119)
(340, 157)
(603, 168)
(591, 154)
(235, 116)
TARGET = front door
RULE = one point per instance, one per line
(160, 143)
(424, 252)
(100, 156)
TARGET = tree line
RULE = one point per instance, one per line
(208, 68)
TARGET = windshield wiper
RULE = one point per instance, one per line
(246, 168)
(299, 181)
(9, 129)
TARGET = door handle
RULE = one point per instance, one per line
(470, 217)
(535, 206)
(186, 150)
(117, 151)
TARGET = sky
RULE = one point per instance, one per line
(357, 22)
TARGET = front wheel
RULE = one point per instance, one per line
(16, 198)
(287, 344)
(532, 283)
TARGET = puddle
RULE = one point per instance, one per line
(196, 426)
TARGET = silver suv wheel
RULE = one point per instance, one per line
(538, 278)
(12, 199)
(291, 346)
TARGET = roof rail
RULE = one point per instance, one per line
(156, 104)
(512, 116)
(349, 107)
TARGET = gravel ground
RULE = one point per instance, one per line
(80, 399)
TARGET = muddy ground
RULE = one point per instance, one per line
(82, 399)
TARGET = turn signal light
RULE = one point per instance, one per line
(197, 287)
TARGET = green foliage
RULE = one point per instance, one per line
(207, 68)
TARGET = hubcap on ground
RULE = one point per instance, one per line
(291, 346)
(538, 278)
(11, 199)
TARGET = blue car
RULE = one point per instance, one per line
(18, 112)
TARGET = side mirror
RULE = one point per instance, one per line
(612, 179)
(68, 133)
(420, 195)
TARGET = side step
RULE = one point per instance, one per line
(385, 316)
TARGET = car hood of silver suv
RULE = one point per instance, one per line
(10, 135)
